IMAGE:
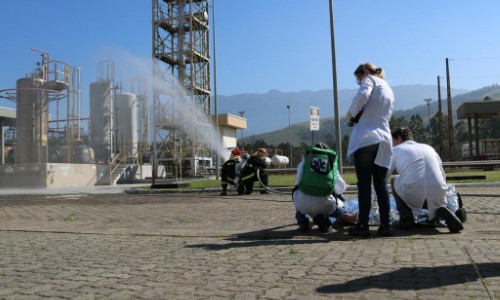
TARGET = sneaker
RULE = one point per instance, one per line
(452, 221)
(384, 230)
(304, 226)
(406, 222)
(264, 192)
(322, 223)
(360, 230)
(224, 193)
(461, 214)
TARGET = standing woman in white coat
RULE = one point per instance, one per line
(370, 145)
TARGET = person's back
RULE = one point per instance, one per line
(420, 182)
(373, 124)
(317, 206)
(420, 170)
(370, 146)
(229, 170)
(255, 163)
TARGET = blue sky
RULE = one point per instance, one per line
(269, 44)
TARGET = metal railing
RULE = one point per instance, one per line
(120, 159)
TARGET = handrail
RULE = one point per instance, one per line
(112, 169)
(118, 160)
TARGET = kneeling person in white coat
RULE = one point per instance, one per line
(421, 181)
(319, 208)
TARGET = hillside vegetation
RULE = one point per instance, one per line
(300, 132)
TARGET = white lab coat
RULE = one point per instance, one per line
(315, 205)
(421, 176)
(376, 98)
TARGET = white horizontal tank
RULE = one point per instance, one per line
(279, 160)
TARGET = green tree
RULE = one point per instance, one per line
(396, 122)
(418, 129)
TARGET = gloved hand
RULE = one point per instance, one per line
(348, 116)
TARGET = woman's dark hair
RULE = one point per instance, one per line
(402, 132)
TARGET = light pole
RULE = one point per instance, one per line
(428, 100)
(217, 162)
(241, 112)
(338, 137)
(290, 136)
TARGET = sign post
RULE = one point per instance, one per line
(314, 122)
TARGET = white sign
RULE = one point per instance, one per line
(314, 119)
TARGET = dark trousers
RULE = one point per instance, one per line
(366, 170)
(403, 209)
(246, 186)
(301, 218)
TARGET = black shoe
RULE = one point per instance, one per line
(264, 192)
(241, 189)
(460, 202)
(384, 230)
(304, 226)
(223, 193)
(406, 222)
(360, 230)
(461, 214)
(452, 221)
(322, 222)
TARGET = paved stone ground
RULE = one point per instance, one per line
(204, 246)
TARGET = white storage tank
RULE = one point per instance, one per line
(100, 119)
(268, 161)
(125, 122)
(279, 160)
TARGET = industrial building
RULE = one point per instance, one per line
(128, 135)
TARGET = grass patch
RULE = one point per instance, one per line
(349, 177)
(71, 217)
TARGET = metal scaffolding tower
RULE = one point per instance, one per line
(181, 87)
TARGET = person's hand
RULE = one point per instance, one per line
(353, 219)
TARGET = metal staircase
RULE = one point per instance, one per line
(117, 168)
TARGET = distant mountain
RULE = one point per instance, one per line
(268, 112)
(300, 131)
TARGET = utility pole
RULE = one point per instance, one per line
(440, 120)
(290, 136)
(451, 131)
(428, 100)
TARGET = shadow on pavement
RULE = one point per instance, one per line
(277, 236)
(417, 278)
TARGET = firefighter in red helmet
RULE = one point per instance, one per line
(230, 169)
(256, 162)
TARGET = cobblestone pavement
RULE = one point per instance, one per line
(205, 246)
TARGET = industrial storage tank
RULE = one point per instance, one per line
(80, 154)
(125, 122)
(279, 160)
(32, 121)
(100, 119)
